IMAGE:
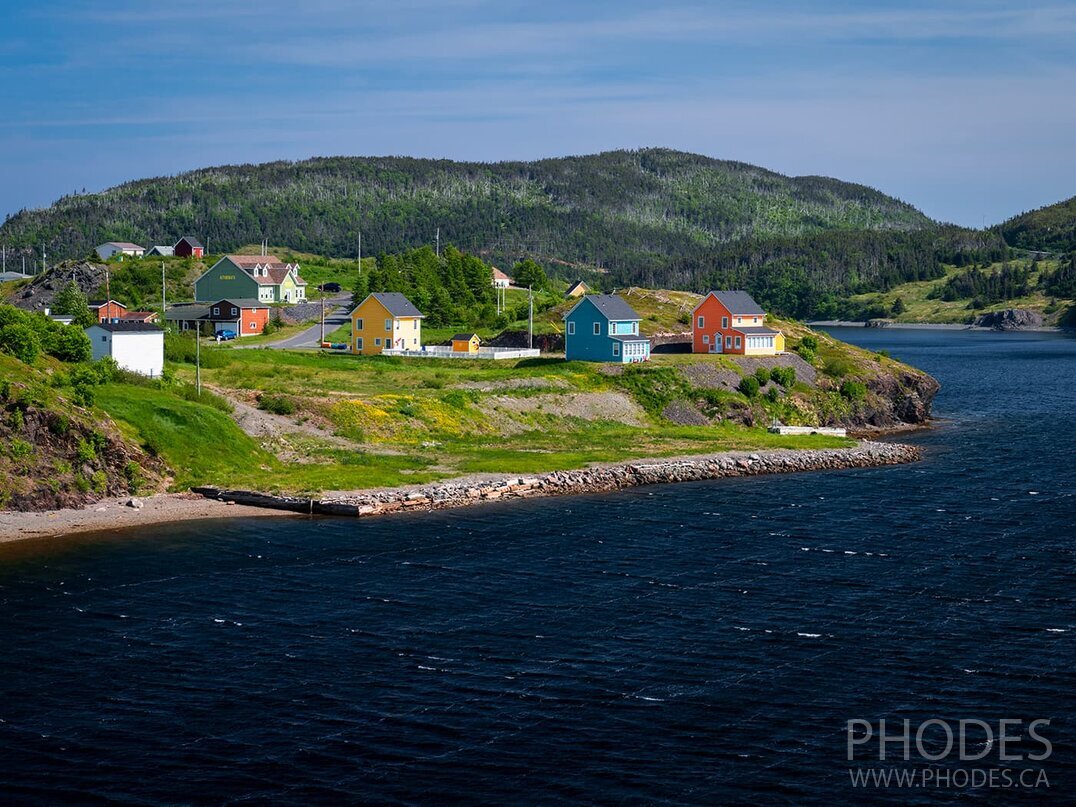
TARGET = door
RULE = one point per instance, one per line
(715, 343)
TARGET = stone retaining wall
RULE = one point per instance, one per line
(461, 493)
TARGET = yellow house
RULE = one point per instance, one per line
(465, 343)
(385, 320)
(577, 289)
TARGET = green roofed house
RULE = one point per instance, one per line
(264, 278)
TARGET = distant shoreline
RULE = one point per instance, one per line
(216, 503)
(925, 326)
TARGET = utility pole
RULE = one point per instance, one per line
(4, 251)
(322, 317)
(198, 358)
(108, 287)
(530, 318)
(164, 295)
(44, 267)
(437, 248)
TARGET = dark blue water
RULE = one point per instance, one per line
(699, 643)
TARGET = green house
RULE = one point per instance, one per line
(264, 278)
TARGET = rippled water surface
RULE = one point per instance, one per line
(697, 643)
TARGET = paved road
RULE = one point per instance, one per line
(336, 314)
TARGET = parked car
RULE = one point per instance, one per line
(224, 334)
(333, 287)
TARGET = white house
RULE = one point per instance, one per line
(110, 248)
(136, 346)
(500, 279)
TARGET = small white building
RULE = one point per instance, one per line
(135, 346)
(110, 248)
(500, 279)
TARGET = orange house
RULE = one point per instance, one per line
(732, 322)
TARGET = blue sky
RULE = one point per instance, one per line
(967, 110)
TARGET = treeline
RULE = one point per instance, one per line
(1051, 228)
(987, 287)
(811, 276)
(618, 210)
(453, 288)
(1062, 281)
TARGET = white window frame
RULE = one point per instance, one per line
(738, 342)
(705, 338)
(571, 329)
(254, 326)
(358, 343)
(597, 329)
(701, 321)
(388, 325)
(724, 323)
(616, 348)
(358, 324)
(377, 342)
(728, 342)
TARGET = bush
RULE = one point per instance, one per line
(810, 342)
(749, 386)
(773, 395)
(20, 449)
(806, 354)
(785, 376)
(21, 341)
(837, 367)
(276, 404)
(763, 375)
(85, 452)
(71, 344)
(854, 390)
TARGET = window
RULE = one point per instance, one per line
(724, 323)
(571, 329)
(358, 324)
(358, 343)
(103, 339)
(254, 326)
(377, 342)
(705, 338)
(616, 348)
(737, 341)
(415, 325)
(216, 311)
(414, 341)
(388, 325)
(728, 341)
(754, 320)
(597, 328)
(702, 322)
(235, 311)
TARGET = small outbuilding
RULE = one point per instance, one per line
(108, 310)
(121, 248)
(135, 346)
(466, 343)
(500, 279)
(188, 247)
(577, 289)
(160, 251)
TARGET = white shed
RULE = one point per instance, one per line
(110, 248)
(136, 346)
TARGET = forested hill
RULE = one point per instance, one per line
(1050, 229)
(621, 210)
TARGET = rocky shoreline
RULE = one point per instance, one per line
(464, 493)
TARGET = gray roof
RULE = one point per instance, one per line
(756, 331)
(739, 302)
(611, 307)
(465, 337)
(241, 302)
(632, 338)
(190, 239)
(186, 312)
(13, 276)
(128, 327)
(397, 304)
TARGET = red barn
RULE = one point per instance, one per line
(188, 247)
(108, 310)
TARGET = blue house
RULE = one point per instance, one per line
(602, 327)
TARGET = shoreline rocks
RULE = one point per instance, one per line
(464, 492)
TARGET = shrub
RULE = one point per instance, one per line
(276, 404)
(806, 354)
(854, 390)
(810, 342)
(785, 376)
(16, 420)
(20, 449)
(83, 394)
(837, 367)
(71, 344)
(81, 483)
(132, 471)
(21, 341)
(773, 395)
(749, 386)
(763, 375)
(85, 452)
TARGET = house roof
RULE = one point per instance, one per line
(397, 304)
(162, 249)
(121, 245)
(757, 331)
(190, 239)
(127, 327)
(610, 305)
(13, 276)
(241, 302)
(577, 284)
(251, 260)
(277, 269)
(499, 275)
(103, 303)
(738, 302)
(133, 315)
(633, 338)
(186, 312)
(465, 337)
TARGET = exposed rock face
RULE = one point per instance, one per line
(1010, 319)
(462, 493)
(897, 399)
(40, 292)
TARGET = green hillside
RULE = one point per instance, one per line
(616, 209)
(1051, 228)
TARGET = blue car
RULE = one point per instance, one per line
(224, 335)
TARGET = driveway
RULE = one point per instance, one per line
(336, 314)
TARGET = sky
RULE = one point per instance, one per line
(965, 109)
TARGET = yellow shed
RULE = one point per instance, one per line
(465, 343)
(385, 320)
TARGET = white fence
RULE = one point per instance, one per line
(446, 352)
